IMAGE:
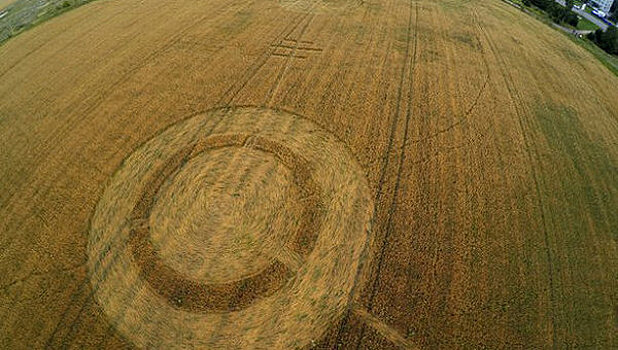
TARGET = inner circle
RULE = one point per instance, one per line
(238, 209)
(195, 295)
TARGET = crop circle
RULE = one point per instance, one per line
(239, 228)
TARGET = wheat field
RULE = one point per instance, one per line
(279, 174)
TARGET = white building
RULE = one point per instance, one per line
(603, 5)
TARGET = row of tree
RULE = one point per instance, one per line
(556, 12)
(607, 40)
(613, 12)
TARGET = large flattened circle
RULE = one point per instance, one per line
(308, 300)
(241, 208)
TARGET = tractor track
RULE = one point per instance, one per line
(518, 107)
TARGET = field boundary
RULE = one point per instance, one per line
(609, 61)
(37, 15)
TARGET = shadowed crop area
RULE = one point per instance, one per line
(329, 174)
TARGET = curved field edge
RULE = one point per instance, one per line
(609, 61)
(22, 15)
(489, 149)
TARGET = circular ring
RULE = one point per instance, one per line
(299, 291)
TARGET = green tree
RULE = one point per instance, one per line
(607, 40)
(614, 11)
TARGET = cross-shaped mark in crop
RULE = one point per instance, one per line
(291, 48)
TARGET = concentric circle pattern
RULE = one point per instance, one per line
(236, 228)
